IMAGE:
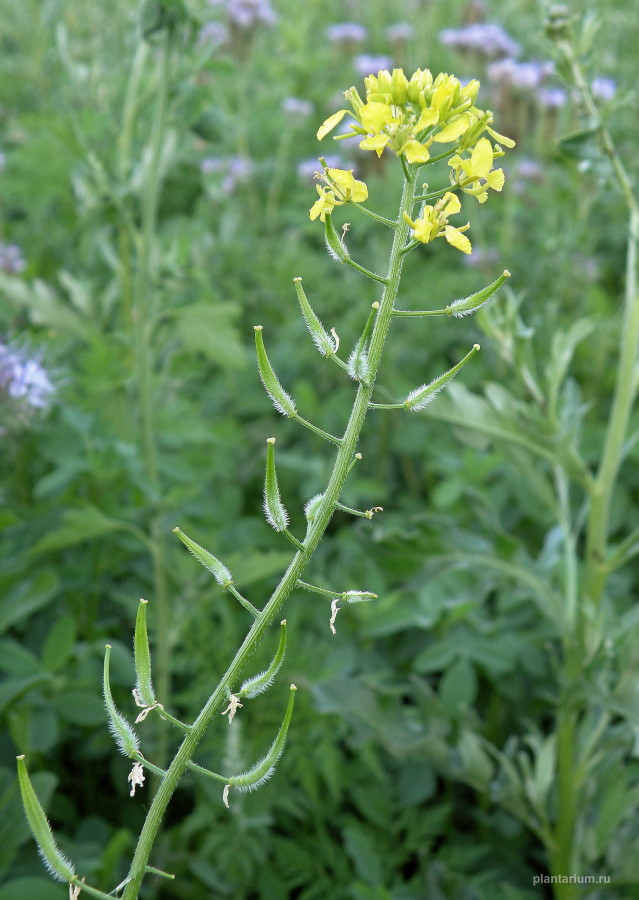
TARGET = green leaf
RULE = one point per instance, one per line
(29, 888)
(80, 707)
(17, 660)
(208, 329)
(58, 644)
(458, 687)
(78, 525)
(12, 690)
(364, 853)
(27, 597)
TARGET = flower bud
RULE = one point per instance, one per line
(399, 87)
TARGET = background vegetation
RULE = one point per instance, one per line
(140, 241)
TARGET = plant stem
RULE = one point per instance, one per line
(625, 383)
(290, 579)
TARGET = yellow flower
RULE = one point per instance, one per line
(342, 188)
(433, 223)
(408, 115)
(476, 174)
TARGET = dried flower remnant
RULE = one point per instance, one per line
(136, 777)
(232, 708)
(487, 39)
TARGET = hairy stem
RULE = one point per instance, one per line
(343, 462)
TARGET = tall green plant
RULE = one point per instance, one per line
(422, 121)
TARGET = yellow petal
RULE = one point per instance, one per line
(501, 138)
(496, 179)
(458, 240)
(482, 158)
(415, 152)
(452, 204)
(453, 131)
(374, 116)
(330, 123)
(377, 142)
(428, 117)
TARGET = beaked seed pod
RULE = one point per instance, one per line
(56, 862)
(281, 400)
(274, 509)
(210, 562)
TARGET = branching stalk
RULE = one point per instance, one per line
(291, 578)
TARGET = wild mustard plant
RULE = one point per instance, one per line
(422, 120)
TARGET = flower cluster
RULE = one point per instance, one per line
(342, 188)
(408, 116)
(24, 379)
(433, 223)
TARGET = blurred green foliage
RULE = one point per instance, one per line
(391, 787)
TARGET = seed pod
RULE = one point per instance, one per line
(334, 244)
(469, 305)
(210, 562)
(56, 862)
(126, 739)
(142, 657)
(321, 338)
(260, 683)
(358, 366)
(256, 776)
(282, 402)
(422, 396)
(311, 506)
(274, 509)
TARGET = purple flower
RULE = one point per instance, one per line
(369, 65)
(234, 170)
(524, 75)
(346, 33)
(214, 33)
(486, 38)
(247, 13)
(294, 106)
(552, 97)
(399, 33)
(307, 168)
(24, 379)
(11, 259)
(603, 88)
